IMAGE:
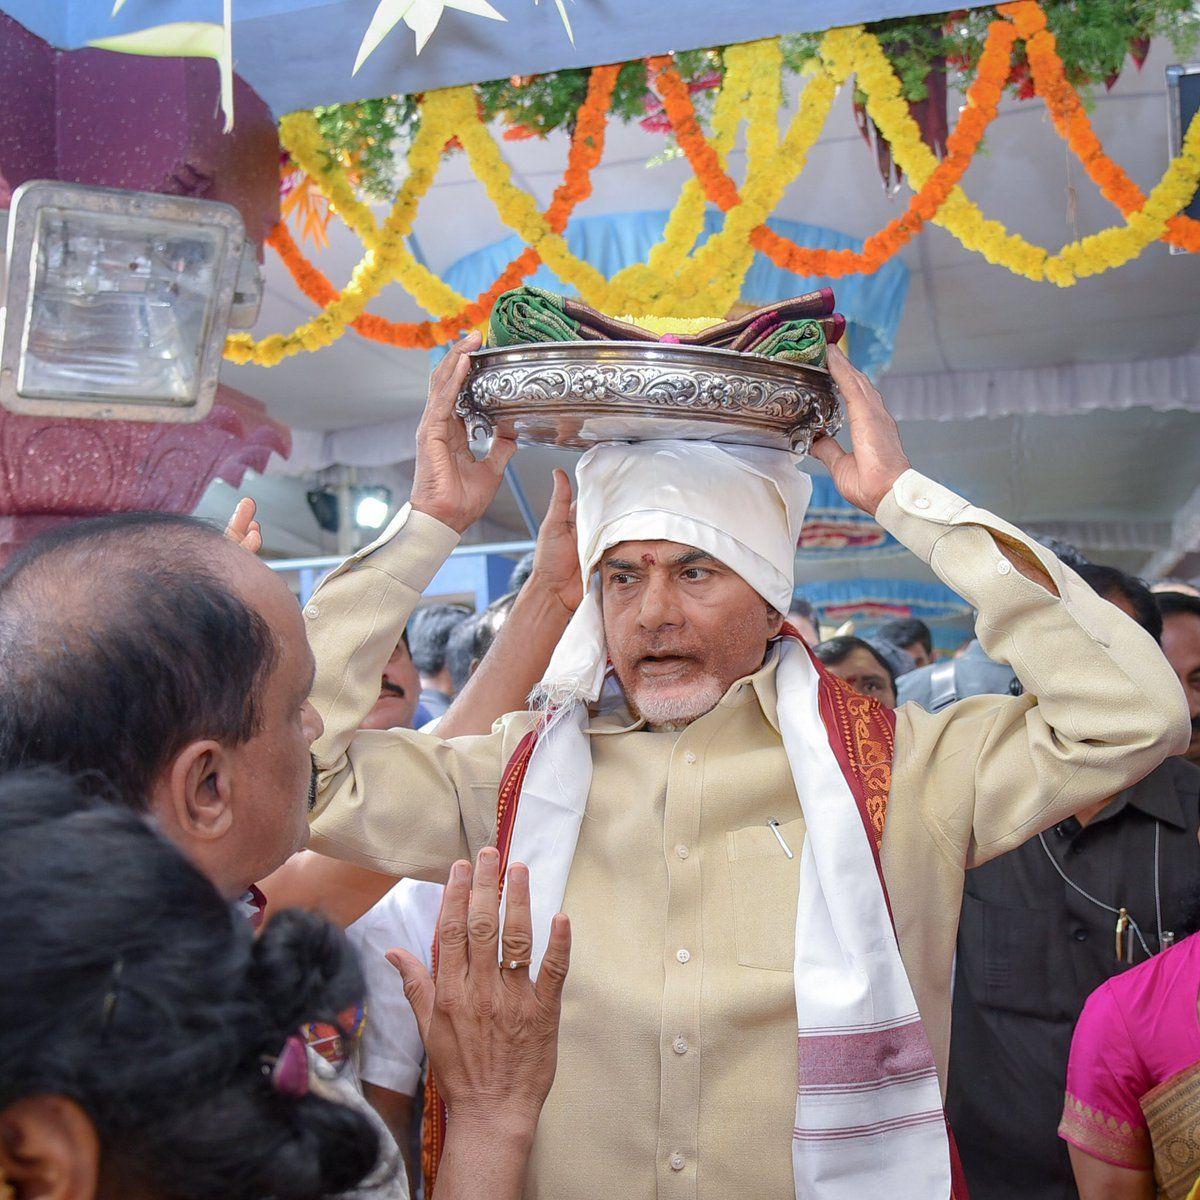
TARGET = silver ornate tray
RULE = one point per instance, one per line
(574, 394)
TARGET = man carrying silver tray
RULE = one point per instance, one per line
(753, 858)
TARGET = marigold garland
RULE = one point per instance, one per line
(678, 280)
(587, 148)
(1074, 126)
(983, 100)
(647, 281)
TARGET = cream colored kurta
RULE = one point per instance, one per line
(677, 1064)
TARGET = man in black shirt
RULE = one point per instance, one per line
(1042, 927)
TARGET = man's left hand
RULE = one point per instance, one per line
(866, 474)
(556, 558)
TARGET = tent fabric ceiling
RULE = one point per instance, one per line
(300, 53)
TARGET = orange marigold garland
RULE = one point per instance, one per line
(982, 102)
(1074, 126)
(587, 149)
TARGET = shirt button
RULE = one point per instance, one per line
(311, 611)
(1003, 567)
(680, 1045)
(681, 851)
(689, 757)
(1081, 935)
(683, 955)
(677, 1161)
(921, 502)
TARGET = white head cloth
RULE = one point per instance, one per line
(744, 505)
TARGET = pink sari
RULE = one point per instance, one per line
(1133, 1081)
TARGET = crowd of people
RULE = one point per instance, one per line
(286, 889)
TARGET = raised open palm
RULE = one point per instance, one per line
(556, 559)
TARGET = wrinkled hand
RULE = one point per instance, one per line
(866, 474)
(243, 529)
(491, 1035)
(450, 484)
(556, 557)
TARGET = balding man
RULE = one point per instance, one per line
(169, 667)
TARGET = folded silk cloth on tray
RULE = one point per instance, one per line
(797, 330)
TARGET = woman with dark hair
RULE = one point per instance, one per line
(151, 1047)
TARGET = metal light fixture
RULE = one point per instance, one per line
(117, 303)
(365, 507)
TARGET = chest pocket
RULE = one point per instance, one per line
(765, 883)
(1022, 960)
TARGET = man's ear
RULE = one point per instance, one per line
(49, 1149)
(195, 795)
(775, 621)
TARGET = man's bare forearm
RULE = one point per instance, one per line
(512, 667)
(485, 1158)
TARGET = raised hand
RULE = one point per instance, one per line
(866, 474)
(491, 1034)
(243, 529)
(450, 483)
(556, 558)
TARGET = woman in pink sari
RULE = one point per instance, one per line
(1132, 1112)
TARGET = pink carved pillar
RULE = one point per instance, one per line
(53, 471)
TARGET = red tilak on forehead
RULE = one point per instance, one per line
(648, 560)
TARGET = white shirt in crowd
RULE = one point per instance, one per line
(391, 1054)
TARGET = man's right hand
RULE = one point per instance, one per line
(491, 1034)
(450, 484)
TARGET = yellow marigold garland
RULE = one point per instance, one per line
(772, 164)
(301, 137)
(519, 211)
(1092, 255)
(854, 51)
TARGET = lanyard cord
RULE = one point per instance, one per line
(1157, 891)
(1108, 907)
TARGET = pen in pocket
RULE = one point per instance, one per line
(773, 826)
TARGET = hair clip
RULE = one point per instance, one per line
(288, 1071)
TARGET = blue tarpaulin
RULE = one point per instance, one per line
(300, 53)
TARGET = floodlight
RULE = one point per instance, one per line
(117, 303)
(372, 506)
(367, 507)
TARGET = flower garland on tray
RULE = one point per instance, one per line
(679, 280)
